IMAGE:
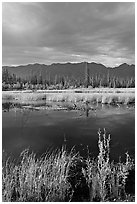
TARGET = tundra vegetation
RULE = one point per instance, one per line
(59, 175)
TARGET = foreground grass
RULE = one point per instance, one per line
(45, 179)
(59, 176)
(97, 95)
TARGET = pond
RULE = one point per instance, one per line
(39, 128)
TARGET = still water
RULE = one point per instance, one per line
(42, 129)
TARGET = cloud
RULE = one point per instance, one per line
(68, 32)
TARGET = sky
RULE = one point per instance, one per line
(60, 32)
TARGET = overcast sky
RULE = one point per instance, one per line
(68, 32)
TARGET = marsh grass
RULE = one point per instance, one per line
(107, 180)
(57, 174)
(97, 95)
(44, 179)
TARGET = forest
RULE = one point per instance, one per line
(36, 82)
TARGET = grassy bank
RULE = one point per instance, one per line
(66, 176)
(97, 95)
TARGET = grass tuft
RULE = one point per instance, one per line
(33, 179)
(106, 180)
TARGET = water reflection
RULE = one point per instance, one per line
(9, 105)
(46, 128)
(87, 109)
(90, 108)
(6, 106)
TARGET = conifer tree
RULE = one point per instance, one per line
(86, 75)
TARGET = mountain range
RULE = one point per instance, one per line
(71, 70)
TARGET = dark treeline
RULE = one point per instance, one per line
(12, 82)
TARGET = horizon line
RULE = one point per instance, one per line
(66, 63)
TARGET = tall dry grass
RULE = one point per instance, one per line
(54, 177)
(97, 95)
(107, 180)
(44, 179)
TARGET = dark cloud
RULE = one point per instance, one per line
(62, 32)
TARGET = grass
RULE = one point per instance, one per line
(57, 175)
(106, 180)
(97, 95)
(45, 179)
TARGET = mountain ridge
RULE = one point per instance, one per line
(72, 63)
(76, 70)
